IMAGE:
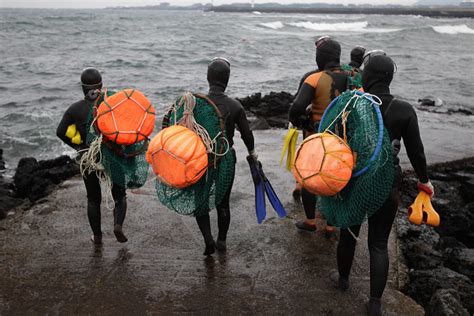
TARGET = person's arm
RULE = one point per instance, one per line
(297, 115)
(245, 132)
(62, 128)
(414, 146)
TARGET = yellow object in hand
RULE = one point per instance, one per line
(73, 134)
(71, 131)
(422, 211)
(289, 147)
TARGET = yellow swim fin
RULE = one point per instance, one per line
(422, 211)
(289, 147)
(71, 131)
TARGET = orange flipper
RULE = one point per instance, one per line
(422, 211)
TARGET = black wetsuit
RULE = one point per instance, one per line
(234, 116)
(401, 122)
(308, 93)
(78, 114)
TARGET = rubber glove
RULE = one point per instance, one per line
(427, 188)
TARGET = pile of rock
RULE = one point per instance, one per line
(33, 180)
(268, 111)
(441, 259)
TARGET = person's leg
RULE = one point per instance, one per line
(380, 225)
(94, 197)
(346, 250)
(309, 205)
(223, 215)
(204, 224)
(120, 210)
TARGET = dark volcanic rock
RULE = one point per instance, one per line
(35, 180)
(424, 284)
(441, 257)
(2, 162)
(273, 107)
(460, 260)
(446, 302)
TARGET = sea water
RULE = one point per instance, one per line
(164, 53)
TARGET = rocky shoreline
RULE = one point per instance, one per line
(33, 180)
(440, 260)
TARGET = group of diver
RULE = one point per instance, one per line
(315, 92)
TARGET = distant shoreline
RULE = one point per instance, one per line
(422, 11)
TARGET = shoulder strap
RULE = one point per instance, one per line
(388, 107)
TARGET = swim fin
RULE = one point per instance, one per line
(260, 208)
(274, 200)
(289, 147)
(422, 211)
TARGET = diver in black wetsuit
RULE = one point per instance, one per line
(357, 55)
(78, 114)
(401, 122)
(218, 73)
(317, 89)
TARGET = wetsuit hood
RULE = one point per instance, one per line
(378, 70)
(328, 54)
(357, 56)
(90, 80)
(218, 73)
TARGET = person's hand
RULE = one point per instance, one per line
(426, 187)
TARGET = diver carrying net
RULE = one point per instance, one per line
(197, 197)
(356, 116)
(117, 134)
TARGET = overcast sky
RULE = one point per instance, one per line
(108, 3)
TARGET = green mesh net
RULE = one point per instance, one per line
(354, 78)
(209, 191)
(125, 165)
(365, 193)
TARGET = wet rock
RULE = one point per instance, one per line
(7, 203)
(455, 220)
(2, 162)
(450, 242)
(446, 302)
(257, 123)
(424, 284)
(467, 191)
(35, 180)
(273, 107)
(460, 260)
(421, 255)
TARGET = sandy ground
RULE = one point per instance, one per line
(49, 266)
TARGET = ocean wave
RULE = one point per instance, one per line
(273, 25)
(453, 29)
(342, 27)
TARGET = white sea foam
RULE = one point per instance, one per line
(361, 27)
(453, 29)
(273, 25)
(257, 12)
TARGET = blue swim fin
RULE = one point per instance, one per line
(260, 208)
(274, 200)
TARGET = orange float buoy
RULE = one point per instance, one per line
(125, 118)
(178, 156)
(323, 164)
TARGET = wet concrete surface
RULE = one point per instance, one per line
(49, 266)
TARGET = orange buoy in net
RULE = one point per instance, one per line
(178, 156)
(323, 164)
(126, 118)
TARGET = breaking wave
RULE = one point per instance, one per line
(273, 25)
(453, 29)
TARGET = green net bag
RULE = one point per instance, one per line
(374, 171)
(208, 192)
(126, 166)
